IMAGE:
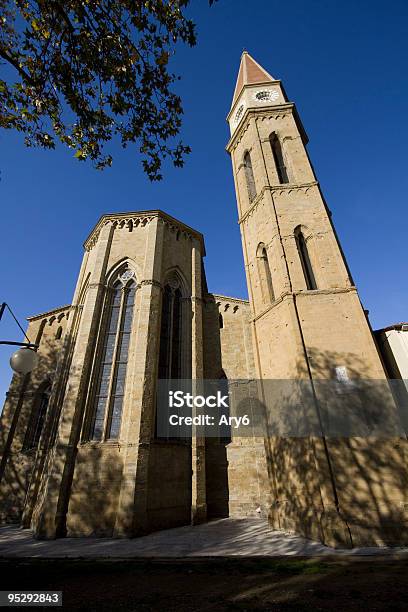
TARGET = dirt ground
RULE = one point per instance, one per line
(216, 584)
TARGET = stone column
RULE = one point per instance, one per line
(50, 517)
(131, 518)
(198, 501)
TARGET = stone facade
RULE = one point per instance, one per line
(308, 323)
(303, 321)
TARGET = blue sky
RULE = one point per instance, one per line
(344, 65)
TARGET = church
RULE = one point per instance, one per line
(81, 452)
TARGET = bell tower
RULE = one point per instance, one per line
(307, 323)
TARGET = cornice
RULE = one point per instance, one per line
(227, 298)
(395, 326)
(309, 292)
(141, 219)
(285, 188)
(289, 187)
(271, 112)
(303, 293)
(150, 282)
(280, 110)
(48, 313)
(311, 236)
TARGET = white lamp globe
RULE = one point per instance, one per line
(23, 360)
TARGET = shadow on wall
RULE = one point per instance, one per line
(216, 463)
(95, 490)
(23, 422)
(343, 489)
(346, 487)
(216, 478)
(92, 494)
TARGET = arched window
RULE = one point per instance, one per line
(265, 274)
(36, 423)
(249, 176)
(58, 333)
(305, 259)
(110, 386)
(174, 360)
(40, 331)
(170, 354)
(220, 321)
(277, 153)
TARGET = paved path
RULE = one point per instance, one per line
(224, 537)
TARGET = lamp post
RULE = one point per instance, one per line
(25, 358)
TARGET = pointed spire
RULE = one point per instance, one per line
(250, 72)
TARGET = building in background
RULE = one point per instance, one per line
(85, 457)
(393, 344)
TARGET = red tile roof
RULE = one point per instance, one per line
(250, 72)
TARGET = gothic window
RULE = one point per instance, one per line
(119, 375)
(36, 424)
(278, 159)
(58, 333)
(176, 336)
(174, 352)
(110, 386)
(170, 355)
(40, 331)
(305, 259)
(265, 274)
(238, 114)
(249, 176)
(220, 321)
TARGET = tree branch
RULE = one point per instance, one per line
(16, 65)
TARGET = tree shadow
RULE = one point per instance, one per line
(23, 413)
(337, 450)
(216, 461)
(336, 455)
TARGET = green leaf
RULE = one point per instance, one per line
(91, 82)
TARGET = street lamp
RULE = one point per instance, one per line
(25, 359)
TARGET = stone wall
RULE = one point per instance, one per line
(169, 497)
(321, 488)
(236, 471)
(133, 484)
(21, 407)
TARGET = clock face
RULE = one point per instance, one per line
(266, 95)
(259, 96)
